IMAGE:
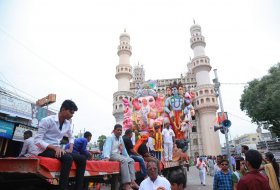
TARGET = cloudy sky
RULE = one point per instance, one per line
(69, 48)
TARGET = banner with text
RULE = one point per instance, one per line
(6, 129)
(15, 107)
(19, 131)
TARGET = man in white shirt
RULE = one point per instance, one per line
(168, 140)
(114, 149)
(151, 143)
(154, 181)
(29, 148)
(201, 166)
(50, 132)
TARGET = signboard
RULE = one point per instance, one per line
(6, 129)
(15, 107)
(19, 131)
(222, 116)
(51, 98)
(39, 113)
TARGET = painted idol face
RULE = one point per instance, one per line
(174, 91)
(147, 101)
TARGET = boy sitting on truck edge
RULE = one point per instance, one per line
(80, 146)
(50, 132)
(29, 148)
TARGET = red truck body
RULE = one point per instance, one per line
(48, 170)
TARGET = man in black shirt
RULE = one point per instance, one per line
(132, 153)
(143, 151)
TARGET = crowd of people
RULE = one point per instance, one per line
(249, 172)
(149, 148)
(121, 148)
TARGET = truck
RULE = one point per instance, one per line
(43, 173)
(149, 109)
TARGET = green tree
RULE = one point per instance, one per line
(101, 140)
(261, 100)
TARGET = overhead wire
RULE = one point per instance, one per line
(239, 117)
(69, 76)
(10, 94)
(235, 83)
(52, 65)
(8, 81)
(18, 90)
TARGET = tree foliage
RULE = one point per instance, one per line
(261, 100)
(101, 140)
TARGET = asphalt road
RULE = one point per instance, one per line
(194, 182)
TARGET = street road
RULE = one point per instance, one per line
(194, 181)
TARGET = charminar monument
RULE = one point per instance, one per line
(203, 139)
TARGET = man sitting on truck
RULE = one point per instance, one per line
(50, 132)
(132, 153)
(142, 149)
(80, 146)
(114, 149)
(29, 148)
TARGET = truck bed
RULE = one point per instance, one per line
(49, 168)
(43, 173)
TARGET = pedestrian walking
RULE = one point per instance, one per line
(201, 166)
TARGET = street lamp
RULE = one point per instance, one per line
(217, 85)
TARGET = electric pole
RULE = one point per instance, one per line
(217, 85)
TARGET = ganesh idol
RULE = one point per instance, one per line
(145, 107)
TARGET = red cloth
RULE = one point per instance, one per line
(253, 180)
(53, 165)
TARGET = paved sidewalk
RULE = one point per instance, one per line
(194, 181)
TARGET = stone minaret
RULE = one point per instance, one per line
(205, 102)
(123, 75)
(138, 78)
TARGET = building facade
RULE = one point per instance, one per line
(259, 141)
(17, 115)
(203, 139)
